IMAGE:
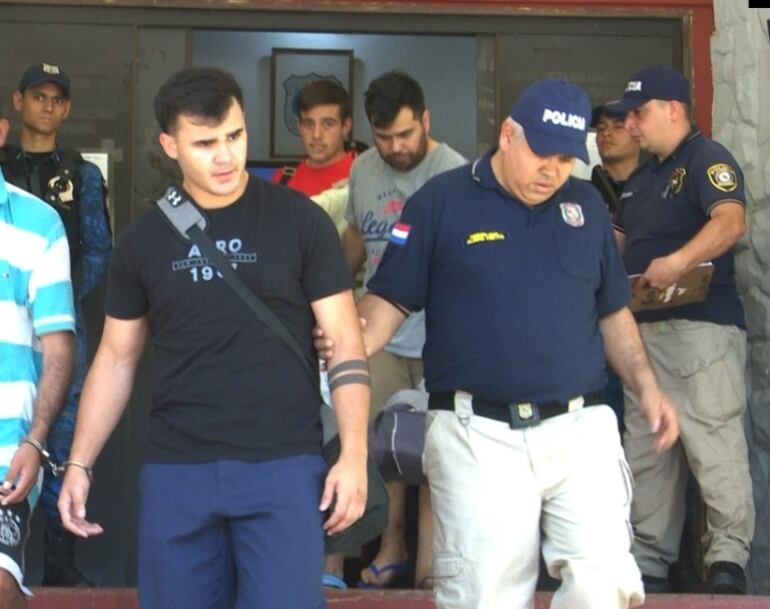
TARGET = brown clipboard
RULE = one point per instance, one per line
(692, 287)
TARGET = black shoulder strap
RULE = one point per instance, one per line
(287, 173)
(611, 196)
(190, 223)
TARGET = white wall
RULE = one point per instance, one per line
(445, 67)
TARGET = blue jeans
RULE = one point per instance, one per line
(232, 534)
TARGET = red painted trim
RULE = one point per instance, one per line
(702, 78)
(126, 598)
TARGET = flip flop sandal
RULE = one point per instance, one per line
(396, 568)
(329, 580)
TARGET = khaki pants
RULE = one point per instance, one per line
(391, 373)
(494, 488)
(701, 367)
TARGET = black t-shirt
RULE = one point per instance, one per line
(225, 387)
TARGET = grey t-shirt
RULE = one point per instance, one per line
(376, 197)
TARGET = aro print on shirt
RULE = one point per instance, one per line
(199, 267)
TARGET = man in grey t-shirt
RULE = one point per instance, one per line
(381, 180)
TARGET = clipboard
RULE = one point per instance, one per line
(692, 287)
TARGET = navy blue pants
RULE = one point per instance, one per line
(231, 534)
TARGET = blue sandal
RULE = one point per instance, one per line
(397, 569)
(329, 580)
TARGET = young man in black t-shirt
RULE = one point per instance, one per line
(233, 489)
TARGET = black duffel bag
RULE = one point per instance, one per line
(397, 437)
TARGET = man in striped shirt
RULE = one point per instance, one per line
(37, 355)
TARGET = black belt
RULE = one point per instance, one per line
(524, 414)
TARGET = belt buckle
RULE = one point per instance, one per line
(524, 414)
(576, 403)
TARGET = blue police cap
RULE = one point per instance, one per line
(658, 82)
(42, 73)
(555, 115)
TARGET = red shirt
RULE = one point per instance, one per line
(313, 180)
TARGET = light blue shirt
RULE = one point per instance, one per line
(35, 299)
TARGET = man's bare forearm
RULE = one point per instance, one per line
(625, 351)
(55, 380)
(722, 231)
(382, 320)
(108, 386)
(348, 370)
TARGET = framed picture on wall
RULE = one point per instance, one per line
(292, 69)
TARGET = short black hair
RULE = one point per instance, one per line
(204, 92)
(321, 92)
(389, 93)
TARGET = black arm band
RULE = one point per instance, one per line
(351, 364)
(358, 379)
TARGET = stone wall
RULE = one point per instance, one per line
(740, 53)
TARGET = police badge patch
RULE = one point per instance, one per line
(572, 214)
(722, 176)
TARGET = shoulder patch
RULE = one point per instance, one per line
(722, 177)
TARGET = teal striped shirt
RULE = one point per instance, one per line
(35, 299)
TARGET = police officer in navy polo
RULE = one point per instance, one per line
(524, 293)
(684, 207)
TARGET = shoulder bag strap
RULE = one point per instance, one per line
(287, 173)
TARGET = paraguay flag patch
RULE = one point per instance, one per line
(400, 233)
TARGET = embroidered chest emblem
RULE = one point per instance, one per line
(722, 176)
(484, 237)
(572, 214)
(676, 181)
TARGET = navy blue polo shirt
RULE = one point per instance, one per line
(512, 294)
(665, 204)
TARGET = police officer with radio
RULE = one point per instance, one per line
(684, 207)
(75, 189)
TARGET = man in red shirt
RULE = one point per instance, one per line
(324, 124)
